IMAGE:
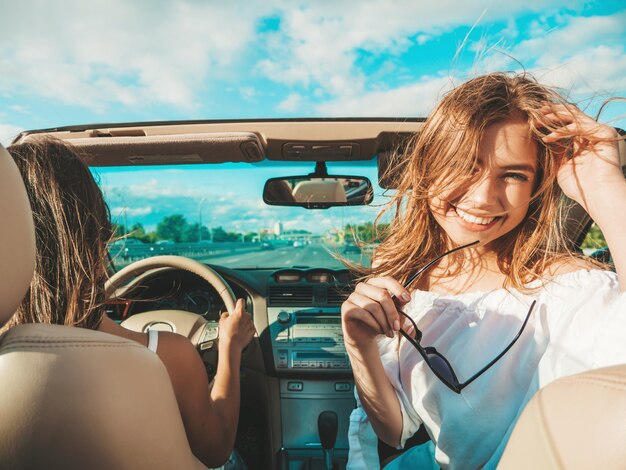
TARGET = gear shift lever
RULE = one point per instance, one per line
(327, 424)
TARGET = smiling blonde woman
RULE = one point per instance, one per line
(461, 344)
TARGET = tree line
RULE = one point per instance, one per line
(177, 229)
(367, 233)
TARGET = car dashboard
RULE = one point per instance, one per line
(295, 369)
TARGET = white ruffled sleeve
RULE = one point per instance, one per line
(585, 312)
(362, 439)
(411, 422)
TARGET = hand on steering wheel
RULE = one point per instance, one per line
(201, 333)
(236, 329)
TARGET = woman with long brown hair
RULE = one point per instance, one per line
(475, 298)
(72, 228)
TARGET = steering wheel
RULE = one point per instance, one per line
(202, 333)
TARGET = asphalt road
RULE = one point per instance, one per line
(313, 255)
(249, 256)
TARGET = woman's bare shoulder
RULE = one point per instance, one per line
(185, 368)
(568, 265)
(177, 348)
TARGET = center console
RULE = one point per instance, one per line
(307, 340)
(310, 360)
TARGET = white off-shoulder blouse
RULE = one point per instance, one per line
(578, 323)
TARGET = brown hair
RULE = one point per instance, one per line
(443, 156)
(72, 227)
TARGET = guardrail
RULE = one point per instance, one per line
(126, 253)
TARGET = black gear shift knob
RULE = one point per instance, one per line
(327, 424)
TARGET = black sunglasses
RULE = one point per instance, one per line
(434, 359)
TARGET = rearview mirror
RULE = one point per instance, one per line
(318, 192)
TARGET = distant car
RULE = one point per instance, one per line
(349, 247)
(298, 243)
(127, 247)
(267, 246)
(121, 242)
(162, 247)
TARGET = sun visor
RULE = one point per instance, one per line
(108, 149)
(393, 159)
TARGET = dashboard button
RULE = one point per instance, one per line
(283, 317)
(295, 386)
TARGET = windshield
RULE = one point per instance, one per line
(215, 213)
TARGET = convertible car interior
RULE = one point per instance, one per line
(66, 399)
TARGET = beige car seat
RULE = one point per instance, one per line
(577, 422)
(73, 398)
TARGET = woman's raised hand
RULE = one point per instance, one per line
(370, 310)
(594, 162)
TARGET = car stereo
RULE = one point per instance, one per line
(308, 339)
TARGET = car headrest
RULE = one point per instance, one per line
(17, 238)
(576, 422)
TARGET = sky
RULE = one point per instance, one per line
(226, 195)
(77, 62)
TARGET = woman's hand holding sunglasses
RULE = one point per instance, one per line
(371, 311)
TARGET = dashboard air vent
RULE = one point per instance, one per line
(291, 295)
(338, 294)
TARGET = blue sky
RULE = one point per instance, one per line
(76, 62)
(227, 195)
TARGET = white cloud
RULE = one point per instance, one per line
(291, 103)
(595, 70)
(580, 56)
(133, 53)
(249, 93)
(578, 33)
(318, 43)
(131, 211)
(8, 132)
(423, 39)
(18, 108)
(583, 56)
(315, 222)
(145, 52)
(411, 100)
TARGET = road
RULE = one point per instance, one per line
(313, 255)
(250, 255)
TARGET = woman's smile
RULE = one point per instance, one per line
(473, 222)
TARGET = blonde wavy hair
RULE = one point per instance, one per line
(72, 228)
(442, 158)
